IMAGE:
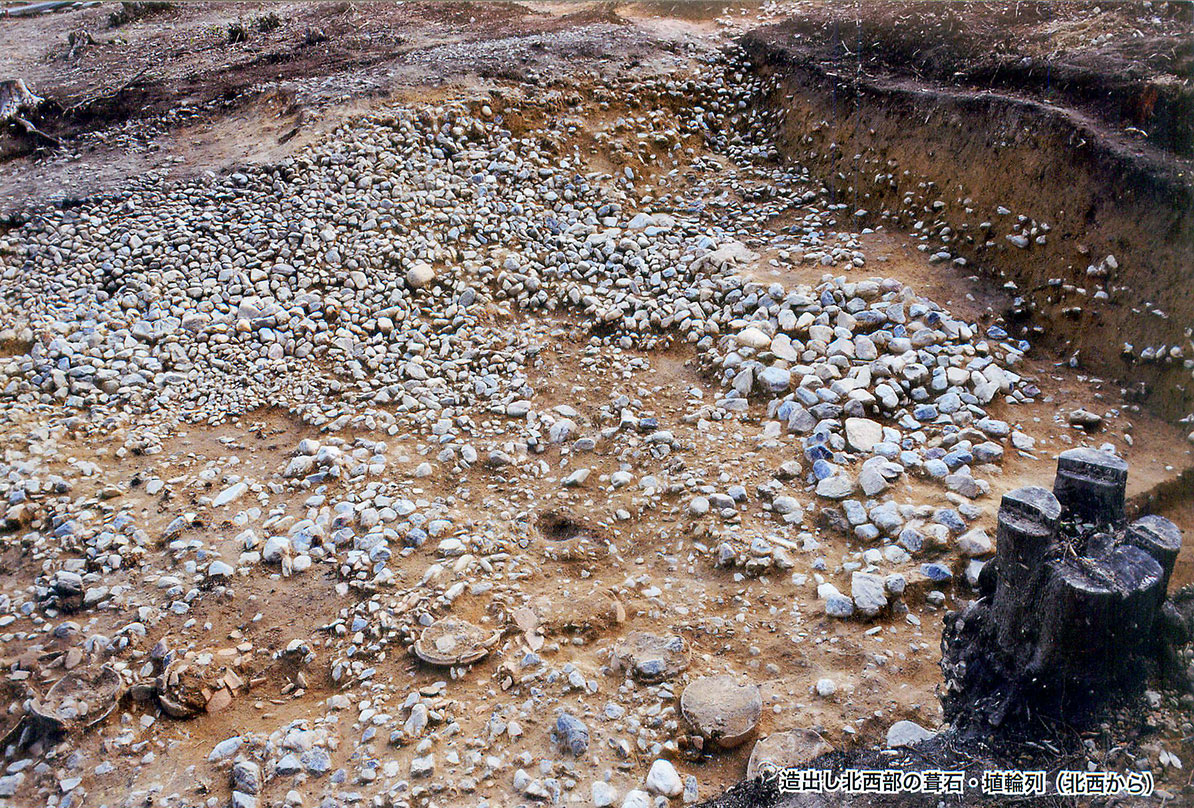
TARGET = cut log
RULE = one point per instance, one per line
(1094, 616)
(1090, 485)
(1161, 539)
(1026, 527)
(33, 9)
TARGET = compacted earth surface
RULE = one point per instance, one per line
(479, 404)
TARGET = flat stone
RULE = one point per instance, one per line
(1023, 442)
(862, 434)
(838, 486)
(242, 800)
(225, 749)
(868, 593)
(721, 709)
(793, 748)
(576, 478)
(230, 494)
(422, 766)
(907, 733)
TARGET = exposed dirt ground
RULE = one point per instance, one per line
(167, 97)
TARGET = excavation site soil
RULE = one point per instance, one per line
(434, 404)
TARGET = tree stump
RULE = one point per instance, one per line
(15, 97)
(1090, 485)
(1024, 538)
(1094, 617)
(1161, 539)
(1068, 605)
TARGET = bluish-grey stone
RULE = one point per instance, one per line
(868, 593)
(572, 734)
(936, 572)
(775, 380)
(839, 606)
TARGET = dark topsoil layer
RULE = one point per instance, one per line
(1125, 64)
(143, 59)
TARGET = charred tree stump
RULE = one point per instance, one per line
(1090, 485)
(1069, 603)
(1027, 524)
(1161, 539)
(1095, 616)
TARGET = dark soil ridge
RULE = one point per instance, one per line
(874, 139)
(1137, 73)
(199, 68)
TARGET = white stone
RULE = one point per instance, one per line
(663, 779)
(753, 338)
(603, 793)
(862, 434)
(868, 593)
(275, 548)
(906, 733)
(230, 494)
(637, 798)
(838, 486)
(975, 543)
(420, 275)
(576, 478)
